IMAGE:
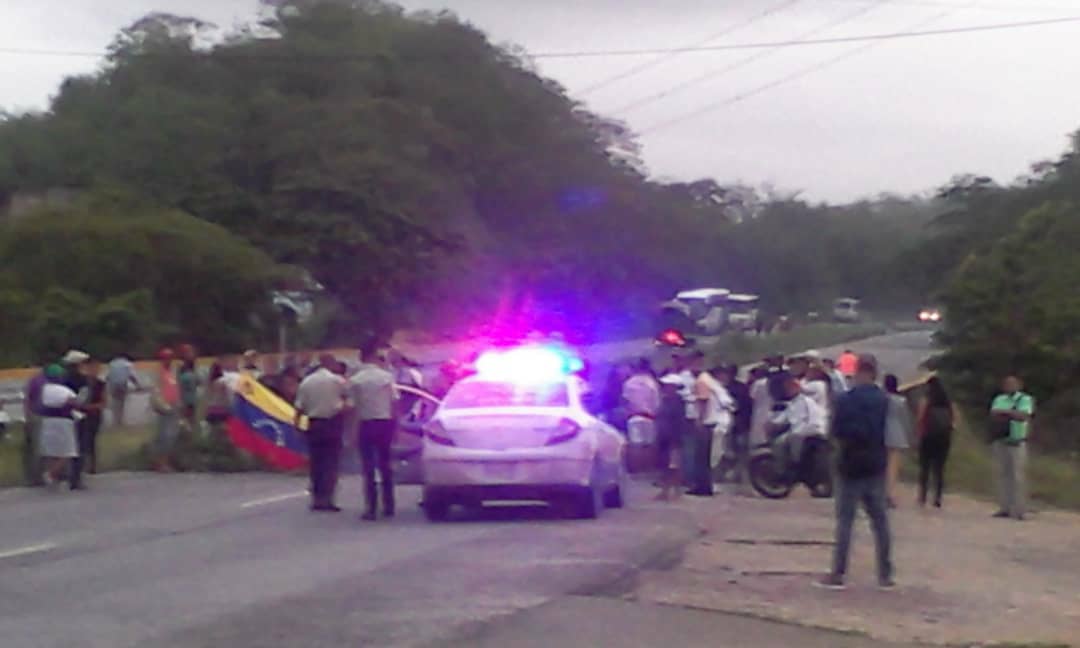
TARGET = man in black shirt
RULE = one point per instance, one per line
(740, 428)
(859, 428)
(75, 380)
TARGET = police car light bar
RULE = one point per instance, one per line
(527, 365)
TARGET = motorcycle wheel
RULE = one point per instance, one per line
(766, 480)
(821, 477)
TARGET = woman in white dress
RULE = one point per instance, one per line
(58, 442)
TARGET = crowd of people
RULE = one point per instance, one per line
(704, 422)
(65, 404)
(707, 421)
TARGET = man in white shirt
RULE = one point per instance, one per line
(716, 415)
(120, 378)
(800, 419)
(322, 397)
(641, 392)
(372, 391)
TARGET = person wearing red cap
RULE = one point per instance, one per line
(165, 402)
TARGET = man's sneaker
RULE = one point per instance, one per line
(831, 582)
(1002, 514)
(886, 584)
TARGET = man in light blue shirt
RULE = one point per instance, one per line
(372, 392)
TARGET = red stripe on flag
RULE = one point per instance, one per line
(245, 438)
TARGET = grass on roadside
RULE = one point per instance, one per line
(1051, 480)
(118, 449)
(744, 349)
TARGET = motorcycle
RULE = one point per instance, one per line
(774, 473)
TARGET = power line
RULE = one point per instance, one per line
(1025, 7)
(816, 41)
(741, 63)
(647, 65)
(794, 76)
(616, 53)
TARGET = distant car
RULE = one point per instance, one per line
(517, 430)
(930, 315)
(846, 310)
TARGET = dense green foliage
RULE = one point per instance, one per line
(426, 177)
(1013, 305)
(113, 275)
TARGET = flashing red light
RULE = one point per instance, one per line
(671, 337)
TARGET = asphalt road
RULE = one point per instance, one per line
(238, 561)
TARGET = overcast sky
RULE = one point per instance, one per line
(902, 115)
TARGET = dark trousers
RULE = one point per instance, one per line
(31, 461)
(373, 440)
(86, 431)
(933, 453)
(700, 477)
(324, 455)
(870, 492)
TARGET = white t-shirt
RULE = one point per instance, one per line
(804, 416)
(718, 402)
(818, 392)
(642, 394)
(56, 395)
(763, 402)
(686, 390)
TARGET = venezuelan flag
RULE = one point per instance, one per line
(262, 424)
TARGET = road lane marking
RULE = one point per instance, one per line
(272, 499)
(28, 549)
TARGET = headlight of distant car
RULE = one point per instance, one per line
(929, 315)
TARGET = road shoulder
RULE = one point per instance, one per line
(965, 578)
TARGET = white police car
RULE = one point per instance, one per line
(517, 430)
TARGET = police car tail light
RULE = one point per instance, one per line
(437, 433)
(565, 431)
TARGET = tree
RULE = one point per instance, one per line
(1016, 307)
(111, 274)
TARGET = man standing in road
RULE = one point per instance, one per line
(762, 399)
(1012, 410)
(740, 429)
(859, 428)
(92, 403)
(120, 378)
(372, 391)
(165, 402)
(322, 398)
(688, 364)
(715, 407)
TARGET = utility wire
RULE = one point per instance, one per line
(1022, 6)
(743, 62)
(915, 33)
(794, 76)
(631, 52)
(648, 65)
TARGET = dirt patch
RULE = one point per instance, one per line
(965, 578)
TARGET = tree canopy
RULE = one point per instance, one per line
(111, 275)
(426, 177)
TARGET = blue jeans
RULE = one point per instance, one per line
(870, 492)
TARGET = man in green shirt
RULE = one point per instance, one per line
(1010, 452)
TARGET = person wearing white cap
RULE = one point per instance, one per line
(75, 357)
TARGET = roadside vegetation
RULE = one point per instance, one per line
(335, 144)
(338, 139)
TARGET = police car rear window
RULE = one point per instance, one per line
(476, 394)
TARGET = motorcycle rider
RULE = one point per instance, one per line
(795, 418)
